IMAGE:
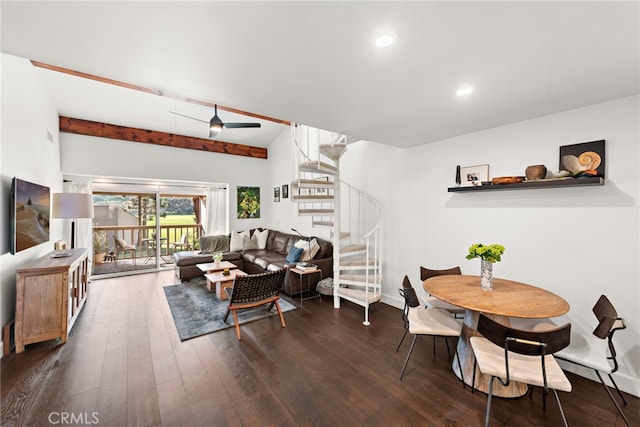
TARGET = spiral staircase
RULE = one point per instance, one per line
(353, 216)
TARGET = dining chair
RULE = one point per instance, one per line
(596, 350)
(123, 247)
(425, 321)
(254, 290)
(433, 302)
(507, 354)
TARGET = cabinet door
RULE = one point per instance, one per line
(42, 305)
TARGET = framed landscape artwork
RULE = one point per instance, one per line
(248, 202)
(30, 214)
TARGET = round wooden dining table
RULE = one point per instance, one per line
(507, 299)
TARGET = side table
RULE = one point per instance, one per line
(310, 293)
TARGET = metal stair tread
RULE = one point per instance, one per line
(358, 278)
(322, 224)
(333, 151)
(358, 263)
(317, 166)
(316, 212)
(312, 197)
(313, 183)
(359, 295)
(352, 248)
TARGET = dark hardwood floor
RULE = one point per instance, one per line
(124, 365)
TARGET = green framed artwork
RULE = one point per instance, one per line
(248, 202)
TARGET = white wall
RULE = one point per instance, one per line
(576, 242)
(85, 155)
(25, 153)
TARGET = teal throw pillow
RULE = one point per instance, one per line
(294, 254)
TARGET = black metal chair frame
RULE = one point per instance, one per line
(427, 273)
(609, 323)
(411, 301)
(252, 291)
(529, 343)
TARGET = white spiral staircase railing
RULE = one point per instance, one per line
(354, 217)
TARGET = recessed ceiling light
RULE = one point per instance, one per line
(384, 40)
(464, 91)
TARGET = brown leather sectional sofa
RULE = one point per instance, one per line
(254, 261)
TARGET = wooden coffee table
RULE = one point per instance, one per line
(219, 281)
(211, 267)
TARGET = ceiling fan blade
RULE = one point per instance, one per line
(188, 117)
(242, 125)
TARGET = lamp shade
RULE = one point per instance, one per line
(72, 205)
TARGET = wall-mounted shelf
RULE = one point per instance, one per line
(552, 183)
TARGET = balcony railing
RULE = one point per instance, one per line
(143, 237)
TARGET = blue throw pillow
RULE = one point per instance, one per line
(294, 254)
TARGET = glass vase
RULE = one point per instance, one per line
(486, 275)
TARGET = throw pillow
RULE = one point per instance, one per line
(237, 240)
(294, 254)
(249, 243)
(262, 238)
(304, 244)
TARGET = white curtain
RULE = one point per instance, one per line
(84, 236)
(216, 218)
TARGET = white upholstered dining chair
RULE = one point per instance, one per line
(508, 354)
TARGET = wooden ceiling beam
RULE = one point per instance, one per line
(105, 130)
(157, 92)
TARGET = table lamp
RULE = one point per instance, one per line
(73, 206)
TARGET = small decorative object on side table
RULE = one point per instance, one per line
(488, 254)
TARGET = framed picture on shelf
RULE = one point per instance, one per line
(474, 176)
(586, 159)
(285, 191)
(276, 194)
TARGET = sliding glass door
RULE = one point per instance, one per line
(124, 233)
(134, 232)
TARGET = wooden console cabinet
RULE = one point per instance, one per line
(50, 292)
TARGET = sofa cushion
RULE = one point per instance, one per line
(280, 242)
(191, 258)
(326, 249)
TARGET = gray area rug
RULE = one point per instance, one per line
(197, 311)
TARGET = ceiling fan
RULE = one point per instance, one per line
(216, 124)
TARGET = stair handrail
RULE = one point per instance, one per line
(295, 141)
(374, 229)
(362, 192)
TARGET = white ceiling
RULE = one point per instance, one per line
(315, 62)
